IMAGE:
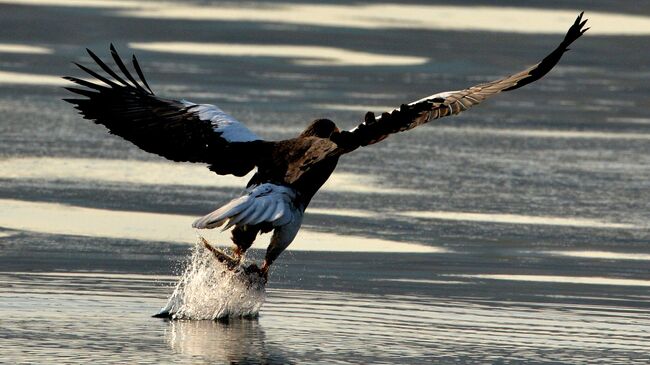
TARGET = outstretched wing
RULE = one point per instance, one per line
(177, 130)
(408, 116)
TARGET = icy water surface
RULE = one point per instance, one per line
(517, 232)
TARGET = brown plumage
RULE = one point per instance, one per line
(289, 172)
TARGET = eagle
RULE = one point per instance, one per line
(288, 172)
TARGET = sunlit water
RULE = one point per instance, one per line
(514, 233)
(99, 318)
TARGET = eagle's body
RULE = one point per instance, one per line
(289, 172)
(287, 179)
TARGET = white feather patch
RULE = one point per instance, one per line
(230, 128)
(442, 95)
(260, 203)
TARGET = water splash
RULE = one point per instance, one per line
(208, 290)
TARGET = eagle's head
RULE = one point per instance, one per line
(322, 128)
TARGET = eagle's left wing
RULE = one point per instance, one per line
(408, 116)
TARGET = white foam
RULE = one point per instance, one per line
(208, 290)
(591, 280)
(23, 48)
(517, 219)
(53, 218)
(302, 55)
(162, 173)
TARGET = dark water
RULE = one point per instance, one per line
(535, 206)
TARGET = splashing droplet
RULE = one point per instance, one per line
(208, 290)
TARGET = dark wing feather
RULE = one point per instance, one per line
(408, 116)
(177, 130)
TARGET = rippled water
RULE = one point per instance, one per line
(516, 232)
(106, 318)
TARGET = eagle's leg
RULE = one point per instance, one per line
(282, 238)
(220, 255)
(264, 270)
(243, 238)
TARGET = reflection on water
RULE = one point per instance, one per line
(472, 18)
(628, 120)
(540, 133)
(517, 219)
(604, 255)
(561, 279)
(55, 218)
(377, 109)
(20, 78)
(76, 3)
(163, 173)
(23, 48)
(234, 341)
(459, 18)
(303, 55)
(427, 328)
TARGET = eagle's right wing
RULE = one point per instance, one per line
(177, 130)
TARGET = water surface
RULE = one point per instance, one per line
(514, 233)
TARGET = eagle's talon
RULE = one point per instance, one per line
(237, 254)
(262, 272)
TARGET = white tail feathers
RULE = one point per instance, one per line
(262, 203)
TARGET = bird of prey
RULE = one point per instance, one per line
(289, 172)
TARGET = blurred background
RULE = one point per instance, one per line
(515, 232)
